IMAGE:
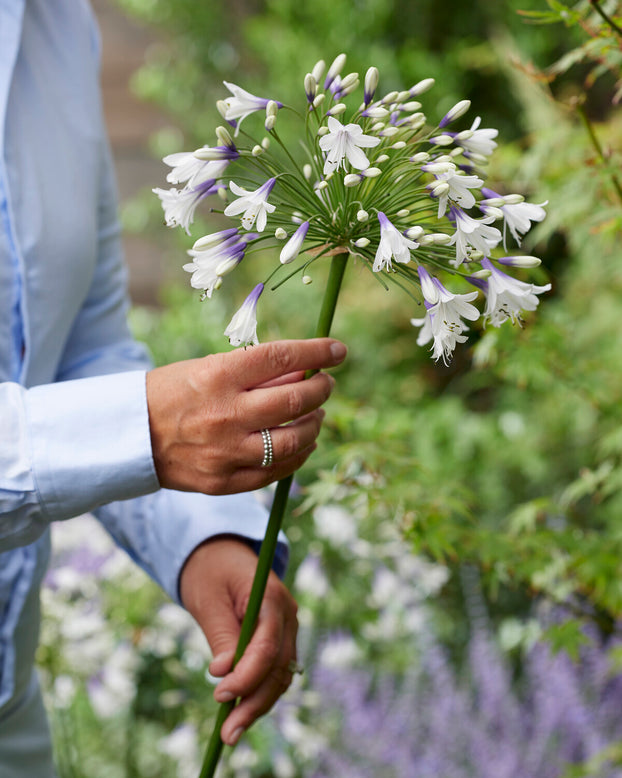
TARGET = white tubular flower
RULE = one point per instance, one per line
(393, 245)
(185, 167)
(242, 329)
(253, 205)
(371, 82)
(473, 232)
(214, 256)
(179, 205)
(516, 216)
(444, 313)
(241, 105)
(477, 141)
(291, 249)
(458, 186)
(334, 70)
(506, 297)
(345, 143)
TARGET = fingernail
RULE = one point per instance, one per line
(224, 696)
(338, 350)
(237, 734)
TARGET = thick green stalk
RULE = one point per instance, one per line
(269, 543)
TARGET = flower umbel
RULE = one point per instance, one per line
(378, 180)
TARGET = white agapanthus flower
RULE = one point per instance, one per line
(242, 103)
(476, 141)
(507, 297)
(345, 142)
(242, 329)
(472, 232)
(442, 322)
(179, 205)
(458, 188)
(516, 216)
(253, 206)
(393, 245)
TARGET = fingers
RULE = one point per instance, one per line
(276, 405)
(249, 368)
(263, 673)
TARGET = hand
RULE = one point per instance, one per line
(215, 585)
(206, 415)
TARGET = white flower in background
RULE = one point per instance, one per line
(335, 525)
(443, 320)
(517, 216)
(506, 297)
(345, 142)
(252, 205)
(340, 651)
(242, 329)
(392, 245)
(114, 687)
(182, 745)
(241, 105)
(472, 232)
(311, 579)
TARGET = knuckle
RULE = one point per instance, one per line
(279, 357)
(295, 405)
(268, 650)
(289, 443)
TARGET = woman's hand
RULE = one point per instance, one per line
(215, 585)
(206, 415)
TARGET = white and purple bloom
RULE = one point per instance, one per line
(516, 216)
(179, 205)
(253, 205)
(345, 142)
(393, 245)
(454, 113)
(241, 105)
(242, 329)
(443, 320)
(371, 82)
(476, 141)
(506, 297)
(215, 255)
(472, 232)
(291, 249)
(187, 167)
(458, 186)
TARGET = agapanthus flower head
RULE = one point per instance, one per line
(373, 178)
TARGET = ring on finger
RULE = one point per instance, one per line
(268, 450)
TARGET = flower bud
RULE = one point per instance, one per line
(389, 98)
(382, 158)
(349, 83)
(280, 233)
(525, 261)
(442, 140)
(310, 87)
(414, 233)
(402, 213)
(378, 127)
(361, 243)
(376, 112)
(371, 82)
(421, 86)
(318, 70)
(513, 199)
(362, 216)
(491, 210)
(307, 171)
(456, 112)
(224, 137)
(322, 185)
(335, 69)
(265, 143)
(389, 132)
(352, 179)
(306, 280)
(411, 106)
(371, 172)
(291, 249)
(400, 144)
(257, 151)
(270, 123)
(421, 156)
(483, 273)
(322, 130)
(337, 109)
(318, 99)
(221, 106)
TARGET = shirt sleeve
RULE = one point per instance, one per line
(83, 443)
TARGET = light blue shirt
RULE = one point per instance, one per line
(74, 432)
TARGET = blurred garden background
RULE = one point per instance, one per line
(456, 538)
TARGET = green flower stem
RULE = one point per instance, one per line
(269, 543)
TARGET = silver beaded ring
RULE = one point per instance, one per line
(268, 451)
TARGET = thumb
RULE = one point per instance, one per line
(222, 629)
